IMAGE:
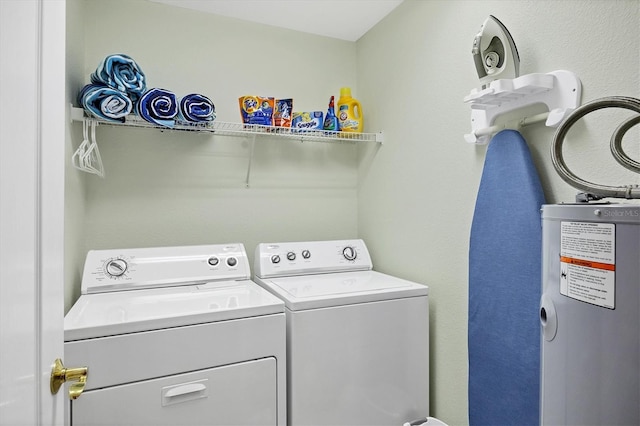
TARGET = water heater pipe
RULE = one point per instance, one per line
(602, 191)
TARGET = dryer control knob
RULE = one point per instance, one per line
(213, 261)
(349, 253)
(275, 258)
(291, 256)
(232, 261)
(116, 267)
(306, 254)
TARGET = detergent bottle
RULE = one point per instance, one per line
(350, 117)
(330, 120)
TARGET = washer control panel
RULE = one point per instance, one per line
(130, 269)
(311, 257)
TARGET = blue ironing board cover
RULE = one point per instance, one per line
(504, 287)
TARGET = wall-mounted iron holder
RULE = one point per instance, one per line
(560, 91)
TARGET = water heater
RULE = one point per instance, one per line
(590, 314)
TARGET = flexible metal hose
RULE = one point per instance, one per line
(616, 145)
(629, 191)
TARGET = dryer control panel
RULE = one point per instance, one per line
(311, 257)
(131, 269)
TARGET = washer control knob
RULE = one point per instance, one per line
(349, 253)
(275, 258)
(291, 256)
(213, 261)
(232, 261)
(116, 267)
(306, 254)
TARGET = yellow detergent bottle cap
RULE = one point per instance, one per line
(345, 92)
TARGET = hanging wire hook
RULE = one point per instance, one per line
(600, 191)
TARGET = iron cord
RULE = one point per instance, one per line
(603, 191)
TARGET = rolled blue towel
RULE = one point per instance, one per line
(122, 73)
(105, 102)
(158, 106)
(196, 108)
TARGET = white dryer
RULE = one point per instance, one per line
(176, 335)
(357, 339)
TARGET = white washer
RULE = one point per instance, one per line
(357, 339)
(176, 335)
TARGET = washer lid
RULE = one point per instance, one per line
(343, 288)
(107, 314)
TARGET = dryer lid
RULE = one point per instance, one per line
(141, 289)
(344, 288)
(108, 314)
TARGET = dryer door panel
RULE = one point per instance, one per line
(237, 394)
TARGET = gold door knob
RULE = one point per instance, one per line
(60, 374)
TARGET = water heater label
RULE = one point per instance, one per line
(588, 262)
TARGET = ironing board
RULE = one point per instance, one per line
(504, 287)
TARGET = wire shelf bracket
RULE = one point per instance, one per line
(93, 164)
(222, 128)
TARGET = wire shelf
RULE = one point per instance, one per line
(238, 129)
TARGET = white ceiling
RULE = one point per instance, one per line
(343, 19)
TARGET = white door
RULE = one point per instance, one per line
(32, 140)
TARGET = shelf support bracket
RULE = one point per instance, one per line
(252, 143)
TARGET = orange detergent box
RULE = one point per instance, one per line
(282, 115)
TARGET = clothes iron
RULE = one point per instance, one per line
(495, 53)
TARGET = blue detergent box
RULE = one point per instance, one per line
(307, 121)
(256, 110)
